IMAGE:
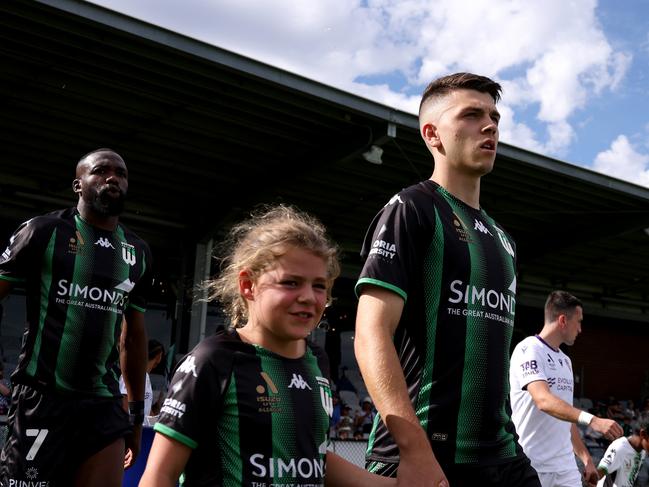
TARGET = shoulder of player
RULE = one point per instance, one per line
(51, 220)
(527, 342)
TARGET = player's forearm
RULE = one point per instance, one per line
(383, 377)
(554, 406)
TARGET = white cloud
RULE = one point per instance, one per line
(623, 161)
(552, 56)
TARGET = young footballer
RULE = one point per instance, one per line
(251, 406)
(623, 459)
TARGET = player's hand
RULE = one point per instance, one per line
(609, 428)
(132, 446)
(590, 474)
(420, 470)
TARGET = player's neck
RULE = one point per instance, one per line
(105, 222)
(257, 335)
(634, 441)
(464, 187)
(550, 337)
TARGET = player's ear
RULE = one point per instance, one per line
(246, 285)
(430, 134)
(76, 186)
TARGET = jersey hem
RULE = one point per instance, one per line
(141, 310)
(175, 435)
(367, 280)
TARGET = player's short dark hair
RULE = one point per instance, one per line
(560, 303)
(154, 348)
(102, 149)
(460, 81)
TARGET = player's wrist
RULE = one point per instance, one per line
(585, 418)
(136, 412)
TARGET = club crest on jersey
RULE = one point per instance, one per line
(325, 395)
(128, 253)
(505, 243)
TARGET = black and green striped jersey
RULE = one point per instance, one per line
(454, 267)
(79, 279)
(251, 417)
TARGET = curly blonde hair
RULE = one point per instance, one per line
(255, 245)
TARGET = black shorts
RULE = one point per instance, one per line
(51, 435)
(517, 473)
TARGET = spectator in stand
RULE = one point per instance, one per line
(365, 418)
(630, 410)
(643, 415)
(337, 410)
(345, 426)
(614, 410)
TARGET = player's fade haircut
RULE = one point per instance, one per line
(83, 158)
(255, 245)
(154, 348)
(560, 303)
(460, 81)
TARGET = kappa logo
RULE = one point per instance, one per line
(325, 395)
(297, 382)
(105, 243)
(395, 199)
(128, 253)
(188, 365)
(481, 227)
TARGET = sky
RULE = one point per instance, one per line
(575, 73)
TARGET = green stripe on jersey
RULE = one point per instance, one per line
(46, 284)
(229, 435)
(172, 433)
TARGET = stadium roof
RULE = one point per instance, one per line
(207, 134)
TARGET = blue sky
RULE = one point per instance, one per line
(575, 72)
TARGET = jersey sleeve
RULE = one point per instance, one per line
(611, 460)
(195, 392)
(389, 247)
(138, 296)
(526, 365)
(19, 254)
